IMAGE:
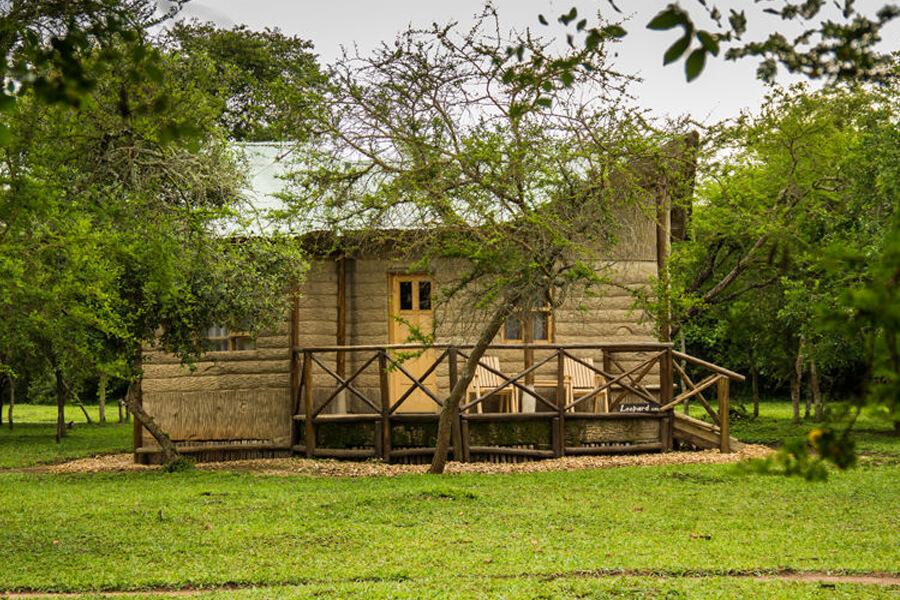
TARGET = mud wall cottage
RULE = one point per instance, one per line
(327, 381)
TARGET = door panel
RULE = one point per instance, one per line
(410, 306)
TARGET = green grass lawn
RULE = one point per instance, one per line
(44, 413)
(31, 444)
(443, 534)
(873, 434)
(683, 529)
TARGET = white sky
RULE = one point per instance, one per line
(722, 91)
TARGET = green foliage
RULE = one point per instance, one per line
(795, 457)
(49, 49)
(267, 84)
(181, 464)
(499, 155)
(781, 199)
(842, 50)
(113, 210)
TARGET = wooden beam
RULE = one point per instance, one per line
(385, 405)
(310, 432)
(709, 381)
(295, 341)
(663, 245)
(341, 338)
(528, 338)
(616, 449)
(710, 366)
(504, 451)
(456, 432)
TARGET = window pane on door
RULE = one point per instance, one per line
(406, 295)
(424, 295)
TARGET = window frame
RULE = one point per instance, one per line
(230, 338)
(531, 313)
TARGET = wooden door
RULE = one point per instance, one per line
(410, 306)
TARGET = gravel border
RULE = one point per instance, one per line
(335, 468)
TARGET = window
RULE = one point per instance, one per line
(221, 340)
(413, 293)
(541, 326)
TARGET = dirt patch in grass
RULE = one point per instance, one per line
(371, 468)
(816, 577)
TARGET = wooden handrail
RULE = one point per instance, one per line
(609, 346)
(708, 382)
(709, 366)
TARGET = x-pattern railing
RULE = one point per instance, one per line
(623, 374)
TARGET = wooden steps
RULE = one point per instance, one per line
(699, 433)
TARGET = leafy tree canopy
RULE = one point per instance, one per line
(834, 47)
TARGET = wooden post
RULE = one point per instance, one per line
(453, 364)
(138, 398)
(725, 436)
(379, 441)
(559, 448)
(557, 439)
(464, 427)
(385, 405)
(528, 338)
(663, 244)
(666, 378)
(308, 405)
(295, 342)
(607, 368)
(341, 337)
(667, 430)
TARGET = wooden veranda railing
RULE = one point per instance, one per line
(357, 414)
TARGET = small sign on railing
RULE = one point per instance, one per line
(637, 407)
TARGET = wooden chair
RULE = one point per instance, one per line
(581, 380)
(485, 380)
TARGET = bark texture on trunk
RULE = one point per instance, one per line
(818, 405)
(60, 407)
(754, 386)
(147, 422)
(134, 402)
(450, 410)
(12, 401)
(101, 397)
(796, 382)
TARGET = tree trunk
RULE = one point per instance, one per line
(754, 386)
(60, 407)
(450, 409)
(796, 382)
(134, 401)
(87, 416)
(170, 452)
(687, 402)
(121, 410)
(101, 397)
(807, 411)
(12, 400)
(816, 391)
(754, 379)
